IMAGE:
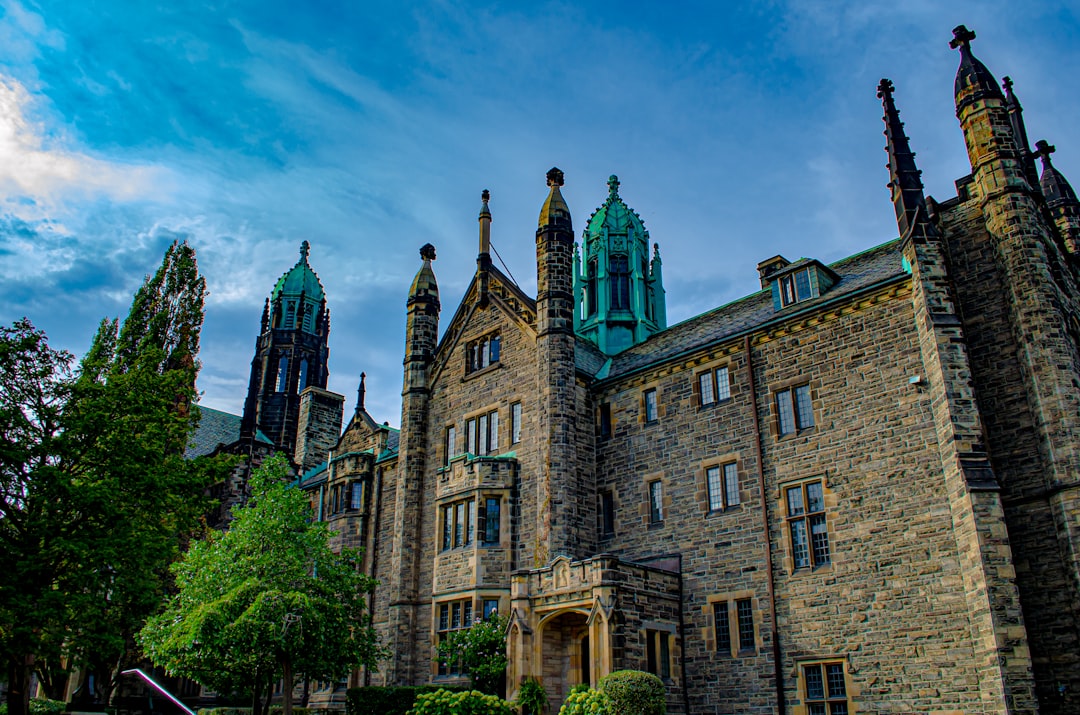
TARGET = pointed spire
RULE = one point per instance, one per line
(305, 248)
(613, 186)
(485, 222)
(555, 213)
(1016, 119)
(424, 283)
(905, 180)
(1054, 186)
(265, 316)
(973, 80)
(360, 391)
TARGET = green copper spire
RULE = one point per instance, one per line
(619, 291)
(298, 300)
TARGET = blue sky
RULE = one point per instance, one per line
(738, 131)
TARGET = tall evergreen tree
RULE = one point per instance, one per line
(98, 497)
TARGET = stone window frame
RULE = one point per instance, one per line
(603, 420)
(516, 417)
(483, 353)
(658, 651)
(449, 444)
(654, 518)
(443, 623)
(814, 561)
(482, 519)
(711, 376)
(728, 604)
(720, 462)
(837, 691)
(792, 389)
(650, 411)
(450, 517)
(482, 442)
(602, 511)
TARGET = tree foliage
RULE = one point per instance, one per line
(96, 494)
(266, 599)
(481, 651)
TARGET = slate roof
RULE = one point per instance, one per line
(216, 429)
(872, 267)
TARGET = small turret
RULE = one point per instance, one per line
(973, 80)
(1060, 198)
(1023, 146)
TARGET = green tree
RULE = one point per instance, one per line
(96, 495)
(480, 649)
(267, 599)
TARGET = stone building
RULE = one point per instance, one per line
(853, 491)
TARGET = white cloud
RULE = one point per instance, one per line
(40, 170)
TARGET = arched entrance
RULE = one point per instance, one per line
(565, 657)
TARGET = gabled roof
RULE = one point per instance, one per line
(216, 429)
(864, 270)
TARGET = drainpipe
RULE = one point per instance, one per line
(778, 675)
(682, 640)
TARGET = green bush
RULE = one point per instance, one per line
(473, 702)
(44, 706)
(585, 701)
(376, 700)
(633, 692)
(531, 697)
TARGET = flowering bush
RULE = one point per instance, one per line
(471, 702)
(585, 701)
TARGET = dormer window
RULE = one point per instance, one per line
(795, 287)
(482, 353)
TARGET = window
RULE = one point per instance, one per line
(515, 423)
(356, 496)
(656, 502)
(482, 433)
(450, 445)
(607, 513)
(491, 607)
(604, 419)
(825, 688)
(301, 382)
(722, 483)
(714, 386)
(482, 353)
(307, 318)
(744, 609)
(658, 653)
(282, 375)
(590, 288)
(290, 315)
(794, 410)
(453, 616)
(806, 524)
(457, 524)
(619, 270)
(795, 287)
(490, 520)
(722, 628)
(650, 405)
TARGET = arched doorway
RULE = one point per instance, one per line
(565, 657)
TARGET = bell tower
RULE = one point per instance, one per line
(291, 354)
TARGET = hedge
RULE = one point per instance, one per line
(633, 692)
(376, 700)
(473, 702)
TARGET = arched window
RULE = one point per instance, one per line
(619, 270)
(290, 316)
(282, 374)
(301, 381)
(590, 288)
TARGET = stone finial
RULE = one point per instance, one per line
(613, 185)
(1044, 150)
(885, 88)
(485, 196)
(554, 176)
(962, 38)
(305, 248)
(427, 252)
(360, 392)
(1007, 83)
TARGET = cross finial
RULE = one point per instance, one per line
(613, 185)
(962, 38)
(305, 248)
(1044, 149)
(427, 252)
(554, 177)
(1007, 83)
(885, 88)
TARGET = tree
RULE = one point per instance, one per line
(481, 651)
(266, 599)
(97, 496)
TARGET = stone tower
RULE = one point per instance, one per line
(557, 498)
(291, 354)
(421, 340)
(618, 291)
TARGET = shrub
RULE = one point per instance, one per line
(376, 700)
(531, 697)
(585, 701)
(472, 702)
(633, 692)
(44, 706)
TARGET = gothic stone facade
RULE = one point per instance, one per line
(853, 491)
